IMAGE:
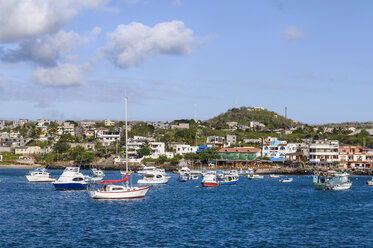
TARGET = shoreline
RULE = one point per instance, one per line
(277, 170)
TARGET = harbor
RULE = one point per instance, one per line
(256, 213)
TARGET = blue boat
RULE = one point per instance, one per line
(229, 180)
(71, 179)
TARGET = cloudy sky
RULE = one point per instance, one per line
(76, 59)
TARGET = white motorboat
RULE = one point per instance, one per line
(97, 174)
(254, 176)
(286, 180)
(274, 176)
(112, 191)
(210, 180)
(370, 182)
(156, 177)
(39, 175)
(71, 179)
(184, 174)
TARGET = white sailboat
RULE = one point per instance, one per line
(112, 191)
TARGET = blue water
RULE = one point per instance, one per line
(257, 213)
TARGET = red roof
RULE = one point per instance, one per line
(239, 150)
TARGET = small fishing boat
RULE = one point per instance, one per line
(220, 175)
(209, 180)
(370, 182)
(331, 180)
(229, 180)
(274, 176)
(184, 174)
(39, 175)
(286, 180)
(71, 179)
(156, 177)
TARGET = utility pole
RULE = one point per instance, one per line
(286, 119)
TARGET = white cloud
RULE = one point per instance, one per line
(293, 33)
(47, 50)
(130, 45)
(61, 75)
(27, 19)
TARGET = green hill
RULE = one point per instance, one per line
(244, 115)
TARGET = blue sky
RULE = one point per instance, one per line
(74, 59)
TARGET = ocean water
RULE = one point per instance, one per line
(257, 213)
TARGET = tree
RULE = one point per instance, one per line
(61, 147)
(76, 152)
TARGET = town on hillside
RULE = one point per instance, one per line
(237, 139)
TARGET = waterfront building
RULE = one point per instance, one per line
(355, 156)
(239, 153)
(183, 149)
(323, 152)
(276, 149)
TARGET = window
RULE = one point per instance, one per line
(78, 179)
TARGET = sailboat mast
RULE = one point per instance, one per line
(125, 104)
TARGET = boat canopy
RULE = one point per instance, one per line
(125, 179)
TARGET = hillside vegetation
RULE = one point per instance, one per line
(244, 115)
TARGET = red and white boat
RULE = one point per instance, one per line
(112, 191)
(209, 180)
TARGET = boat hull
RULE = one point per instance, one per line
(228, 183)
(206, 184)
(370, 183)
(340, 187)
(128, 194)
(32, 179)
(70, 186)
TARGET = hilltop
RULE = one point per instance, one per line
(244, 115)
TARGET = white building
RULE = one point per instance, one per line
(255, 124)
(109, 123)
(66, 128)
(180, 126)
(323, 152)
(184, 149)
(276, 149)
(230, 139)
(20, 122)
(215, 141)
(28, 150)
(108, 137)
